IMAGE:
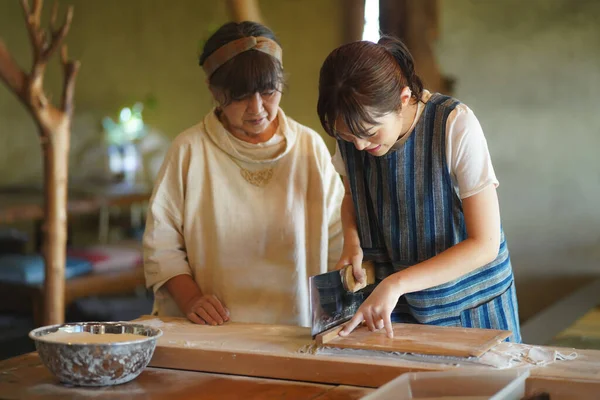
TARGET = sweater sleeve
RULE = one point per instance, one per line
(164, 245)
(338, 161)
(334, 193)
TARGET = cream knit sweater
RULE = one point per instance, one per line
(253, 247)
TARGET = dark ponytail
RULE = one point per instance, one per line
(405, 61)
(362, 81)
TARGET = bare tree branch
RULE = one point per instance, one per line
(32, 18)
(53, 16)
(37, 9)
(26, 9)
(11, 73)
(59, 35)
(70, 69)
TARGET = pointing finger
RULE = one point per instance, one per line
(350, 326)
(388, 325)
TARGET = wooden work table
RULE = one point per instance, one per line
(264, 361)
(25, 377)
(286, 352)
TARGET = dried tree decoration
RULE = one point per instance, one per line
(54, 124)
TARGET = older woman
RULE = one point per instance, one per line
(229, 235)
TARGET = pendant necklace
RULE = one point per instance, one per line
(258, 178)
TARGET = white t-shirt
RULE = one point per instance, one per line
(467, 154)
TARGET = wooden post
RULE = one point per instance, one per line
(243, 10)
(354, 20)
(54, 124)
(416, 24)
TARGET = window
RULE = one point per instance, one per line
(371, 28)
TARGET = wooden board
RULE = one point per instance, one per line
(418, 339)
(286, 352)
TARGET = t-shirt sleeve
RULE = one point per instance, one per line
(469, 159)
(338, 161)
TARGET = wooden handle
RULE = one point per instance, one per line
(350, 283)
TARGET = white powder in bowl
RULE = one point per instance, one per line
(90, 338)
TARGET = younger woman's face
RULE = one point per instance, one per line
(381, 136)
(384, 134)
(251, 118)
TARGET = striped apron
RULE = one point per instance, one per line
(408, 211)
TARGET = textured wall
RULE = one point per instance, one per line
(134, 48)
(531, 72)
(529, 69)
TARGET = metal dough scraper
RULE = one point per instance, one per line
(335, 296)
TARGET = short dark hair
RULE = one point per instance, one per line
(249, 72)
(361, 81)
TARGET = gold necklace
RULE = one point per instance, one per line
(258, 178)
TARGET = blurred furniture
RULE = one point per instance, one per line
(25, 203)
(584, 333)
(546, 325)
(29, 298)
(29, 269)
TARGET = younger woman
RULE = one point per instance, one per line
(420, 195)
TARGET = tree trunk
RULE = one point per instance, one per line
(56, 159)
(54, 124)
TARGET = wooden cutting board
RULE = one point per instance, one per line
(287, 352)
(418, 339)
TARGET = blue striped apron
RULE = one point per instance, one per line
(408, 211)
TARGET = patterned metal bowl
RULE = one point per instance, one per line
(96, 364)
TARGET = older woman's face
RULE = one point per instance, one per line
(252, 118)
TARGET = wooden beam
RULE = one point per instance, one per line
(415, 23)
(243, 10)
(353, 12)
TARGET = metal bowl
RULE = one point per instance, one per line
(96, 364)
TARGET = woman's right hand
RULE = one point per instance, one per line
(353, 255)
(206, 310)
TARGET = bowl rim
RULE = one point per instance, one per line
(157, 333)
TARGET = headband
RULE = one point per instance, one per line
(232, 49)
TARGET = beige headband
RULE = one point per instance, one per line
(232, 49)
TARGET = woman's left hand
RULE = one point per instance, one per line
(377, 309)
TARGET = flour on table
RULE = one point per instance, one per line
(505, 355)
(154, 323)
